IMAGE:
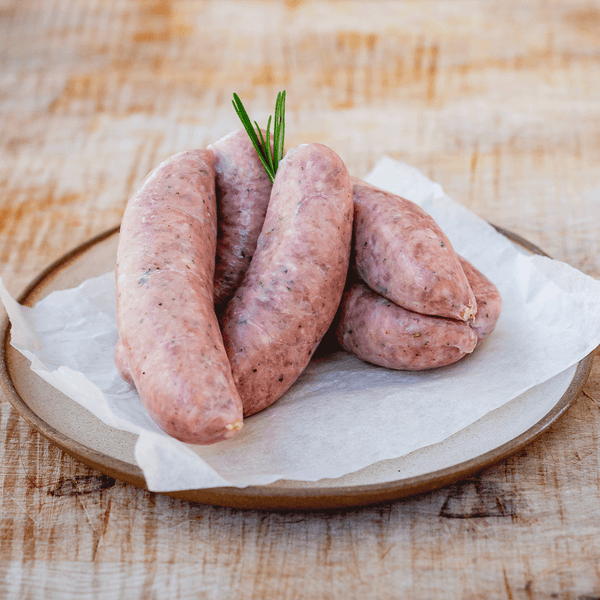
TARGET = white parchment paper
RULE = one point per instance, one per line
(342, 414)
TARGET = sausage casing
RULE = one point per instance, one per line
(489, 301)
(383, 333)
(243, 189)
(165, 314)
(295, 281)
(401, 253)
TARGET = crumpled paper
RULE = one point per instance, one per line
(342, 414)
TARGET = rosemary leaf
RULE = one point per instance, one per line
(279, 127)
(245, 119)
(269, 148)
(269, 155)
(266, 145)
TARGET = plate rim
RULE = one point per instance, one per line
(267, 497)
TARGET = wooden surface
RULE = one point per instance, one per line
(497, 100)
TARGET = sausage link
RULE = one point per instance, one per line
(401, 253)
(171, 344)
(295, 281)
(385, 334)
(243, 189)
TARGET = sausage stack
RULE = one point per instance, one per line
(207, 346)
(415, 304)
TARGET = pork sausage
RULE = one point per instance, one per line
(171, 344)
(401, 253)
(243, 189)
(385, 334)
(294, 284)
(489, 301)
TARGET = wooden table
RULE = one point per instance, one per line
(497, 100)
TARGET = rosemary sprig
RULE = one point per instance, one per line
(269, 155)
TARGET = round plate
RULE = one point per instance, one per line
(83, 436)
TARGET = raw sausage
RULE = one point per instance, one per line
(171, 344)
(383, 333)
(401, 253)
(489, 301)
(295, 281)
(243, 189)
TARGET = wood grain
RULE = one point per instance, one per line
(499, 101)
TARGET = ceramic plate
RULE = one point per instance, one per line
(83, 436)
